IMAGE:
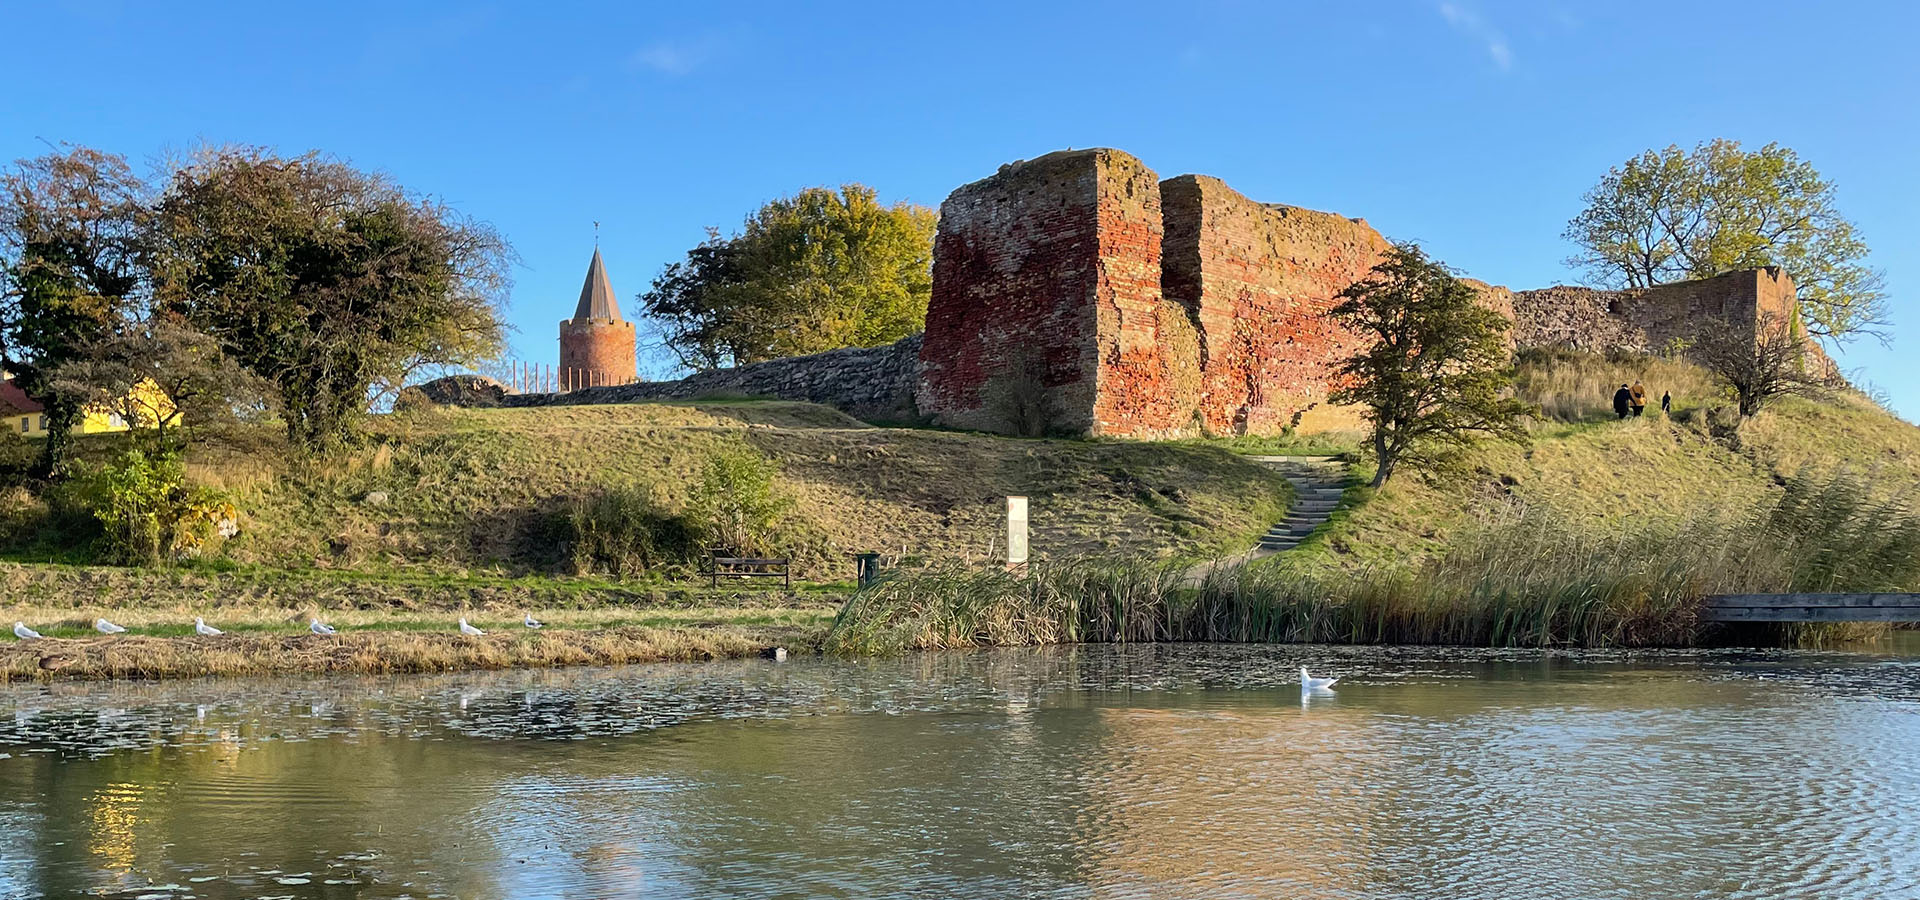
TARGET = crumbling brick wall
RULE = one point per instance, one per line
(1046, 279)
(1260, 279)
(1651, 320)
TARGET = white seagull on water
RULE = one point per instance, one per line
(469, 629)
(105, 627)
(21, 631)
(532, 622)
(318, 627)
(201, 628)
(1310, 683)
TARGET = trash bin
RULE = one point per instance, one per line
(866, 568)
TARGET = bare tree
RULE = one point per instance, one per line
(1770, 361)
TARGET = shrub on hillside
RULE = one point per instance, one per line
(626, 531)
(736, 504)
(149, 513)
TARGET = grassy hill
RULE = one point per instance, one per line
(452, 490)
(1585, 468)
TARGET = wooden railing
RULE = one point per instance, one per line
(1813, 608)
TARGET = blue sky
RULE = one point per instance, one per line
(1470, 125)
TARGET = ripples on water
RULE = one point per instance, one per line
(1193, 771)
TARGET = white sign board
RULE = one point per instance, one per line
(1016, 530)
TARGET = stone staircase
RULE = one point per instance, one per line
(1318, 482)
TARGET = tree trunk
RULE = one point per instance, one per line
(1384, 458)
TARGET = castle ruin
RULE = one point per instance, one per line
(1134, 307)
(1080, 293)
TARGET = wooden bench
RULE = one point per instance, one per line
(747, 567)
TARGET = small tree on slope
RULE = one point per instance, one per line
(1436, 371)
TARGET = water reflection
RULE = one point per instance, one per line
(1077, 772)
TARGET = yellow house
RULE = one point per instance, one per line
(25, 416)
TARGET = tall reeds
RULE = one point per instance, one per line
(1532, 579)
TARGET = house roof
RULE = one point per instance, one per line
(15, 401)
(596, 296)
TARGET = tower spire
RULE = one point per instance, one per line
(596, 295)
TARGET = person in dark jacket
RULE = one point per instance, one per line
(1622, 400)
(1637, 398)
(1666, 402)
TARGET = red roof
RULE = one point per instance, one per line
(12, 397)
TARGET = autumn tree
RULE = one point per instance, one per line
(329, 283)
(1673, 215)
(1435, 375)
(73, 239)
(820, 270)
(1771, 361)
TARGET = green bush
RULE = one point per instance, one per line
(626, 531)
(149, 513)
(736, 504)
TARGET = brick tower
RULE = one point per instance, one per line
(596, 345)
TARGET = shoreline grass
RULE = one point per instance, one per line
(1536, 579)
(378, 652)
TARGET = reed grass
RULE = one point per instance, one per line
(1531, 579)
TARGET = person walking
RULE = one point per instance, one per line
(1622, 399)
(1666, 402)
(1637, 398)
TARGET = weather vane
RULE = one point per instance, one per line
(596, 234)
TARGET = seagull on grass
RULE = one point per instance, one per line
(318, 627)
(531, 622)
(105, 627)
(21, 631)
(201, 628)
(469, 629)
(1310, 683)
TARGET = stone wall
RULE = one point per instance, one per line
(1651, 320)
(1016, 265)
(873, 383)
(1259, 279)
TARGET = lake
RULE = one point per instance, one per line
(1145, 771)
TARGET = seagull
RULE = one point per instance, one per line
(469, 629)
(200, 627)
(532, 622)
(105, 627)
(21, 631)
(1310, 683)
(318, 627)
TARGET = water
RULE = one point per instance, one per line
(1172, 771)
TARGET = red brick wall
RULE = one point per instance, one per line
(1141, 308)
(1260, 279)
(597, 352)
(1149, 375)
(1014, 274)
(1052, 268)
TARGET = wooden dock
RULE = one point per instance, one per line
(1813, 608)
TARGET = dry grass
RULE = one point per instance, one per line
(1535, 580)
(456, 490)
(1579, 387)
(393, 623)
(378, 652)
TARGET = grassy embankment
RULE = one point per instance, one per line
(1597, 532)
(451, 513)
